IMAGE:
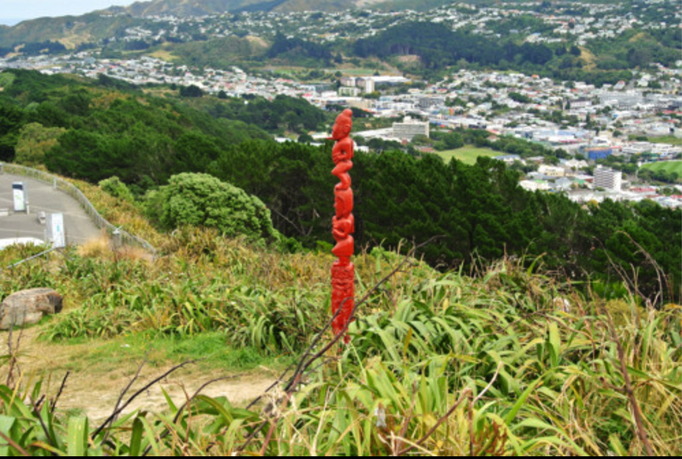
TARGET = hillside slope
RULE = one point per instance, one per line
(207, 7)
(69, 30)
(511, 362)
(98, 25)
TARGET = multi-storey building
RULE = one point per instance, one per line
(409, 129)
(608, 179)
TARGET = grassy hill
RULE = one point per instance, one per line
(505, 360)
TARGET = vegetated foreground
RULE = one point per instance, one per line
(508, 360)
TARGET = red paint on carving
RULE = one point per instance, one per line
(343, 271)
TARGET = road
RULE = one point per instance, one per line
(43, 198)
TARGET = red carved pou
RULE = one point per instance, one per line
(343, 271)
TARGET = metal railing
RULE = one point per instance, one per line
(120, 236)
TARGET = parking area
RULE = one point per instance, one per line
(42, 198)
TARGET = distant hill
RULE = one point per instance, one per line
(207, 7)
(75, 30)
(69, 30)
(184, 7)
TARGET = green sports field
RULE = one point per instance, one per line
(467, 154)
(667, 166)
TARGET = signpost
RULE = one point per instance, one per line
(20, 197)
(343, 271)
(56, 233)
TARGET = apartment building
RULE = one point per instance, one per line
(608, 179)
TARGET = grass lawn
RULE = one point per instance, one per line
(357, 72)
(467, 154)
(669, 139)
(667, 166)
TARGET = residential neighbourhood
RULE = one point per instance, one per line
(590, 127)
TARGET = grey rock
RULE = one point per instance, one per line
(28, 307)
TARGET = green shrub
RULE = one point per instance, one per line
(204, 201)
(116, 188)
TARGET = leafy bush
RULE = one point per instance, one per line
(116, 188)
(203, 200)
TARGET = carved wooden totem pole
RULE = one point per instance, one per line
(343, 271)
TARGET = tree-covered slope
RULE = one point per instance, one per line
(467, 212)
(113, 129)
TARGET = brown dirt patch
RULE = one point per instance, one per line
(410, 59)
(94, 387)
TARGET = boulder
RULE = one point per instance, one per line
(28, 307)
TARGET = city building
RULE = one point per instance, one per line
(347, 91)
(408, 129)
(608, 179)
(552, 171)
(594, 154)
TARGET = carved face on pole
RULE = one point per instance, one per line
(343, 125)
(343, 203)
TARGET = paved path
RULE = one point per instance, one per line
(43, 198)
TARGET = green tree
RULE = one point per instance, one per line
(34, 141)
(305, 138)
(11, 120)
(191, 91)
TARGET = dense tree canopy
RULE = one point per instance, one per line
(280, 114)
(472, 211)
(468, 211)
(438, 46)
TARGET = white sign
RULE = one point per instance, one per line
(19, 196)
(56, 233)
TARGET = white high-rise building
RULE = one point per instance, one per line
(608, 179)
(410, 128)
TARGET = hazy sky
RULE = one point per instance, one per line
(11, 10)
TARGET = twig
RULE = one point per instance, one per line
(472, 402)
(13, 353)
(43, 426)
(472, 437)
(61, 391)
(660, 274)
(186, 405)
(408, 419)
(489, 386)
(11, 443)
(140, 392)
(639, 418)
(464, 395)
(271, 387)
(123, 394)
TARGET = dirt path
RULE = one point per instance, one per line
(98, 404)
(94, 387)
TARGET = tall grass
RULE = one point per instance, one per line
(510, 361)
